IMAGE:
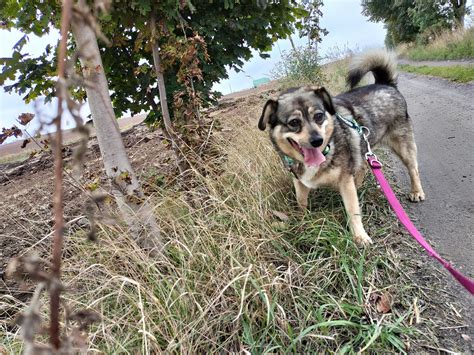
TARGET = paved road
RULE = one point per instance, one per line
(443, 117)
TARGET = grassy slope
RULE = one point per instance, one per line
(238, 278)
(457, 45)
(458, 73)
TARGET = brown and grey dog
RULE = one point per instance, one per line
(312, 133)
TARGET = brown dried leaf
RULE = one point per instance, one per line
(25, 143)
(25, 118)
(384, 303)
(381, 302)
(34, 153)
(280, 215)
(10, 132)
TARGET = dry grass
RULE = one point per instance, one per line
(448, 45)
(237, 278)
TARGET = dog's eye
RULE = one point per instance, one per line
(294, 123)
(319, 117)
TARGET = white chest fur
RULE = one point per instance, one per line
(308, 176)
(313, 180)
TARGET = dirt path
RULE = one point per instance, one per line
(443, 116)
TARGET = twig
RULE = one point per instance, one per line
(439, 349)
(54, 331)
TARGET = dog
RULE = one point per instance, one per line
(319, 137)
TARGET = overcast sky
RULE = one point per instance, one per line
(342, 18)
(347, 28)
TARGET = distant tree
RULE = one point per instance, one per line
(460, 10)
(408, 20)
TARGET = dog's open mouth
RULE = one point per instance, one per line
(312, 156)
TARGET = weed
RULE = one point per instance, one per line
(449, 45)
(298, 67)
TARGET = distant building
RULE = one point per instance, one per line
(259, 82)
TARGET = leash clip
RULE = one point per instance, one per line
(370, 156)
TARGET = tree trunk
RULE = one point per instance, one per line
(126, 189)
(459, 8)
(181, 160)
(160, 78)
(292, 44)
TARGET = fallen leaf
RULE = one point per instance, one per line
(280, 215)
(384, 303)
(466, 337)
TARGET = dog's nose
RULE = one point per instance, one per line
(316, 140)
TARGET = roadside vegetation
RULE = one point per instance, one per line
(244, 269)
(447, 46)
(232, 266)
(458, 73)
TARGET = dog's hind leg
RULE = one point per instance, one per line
(302, 192)
(348, 191)
(402, 142)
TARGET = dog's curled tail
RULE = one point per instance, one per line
(381, 63)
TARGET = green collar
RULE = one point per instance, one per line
(351, 122)
(290, 161)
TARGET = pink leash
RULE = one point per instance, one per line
(376, 168)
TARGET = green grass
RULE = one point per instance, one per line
(458, 73)
(450, 45)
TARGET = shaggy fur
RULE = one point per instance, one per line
(303, 122)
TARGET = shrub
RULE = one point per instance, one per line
(299, 67)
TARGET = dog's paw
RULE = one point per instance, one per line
(362, 239)
(416, 196)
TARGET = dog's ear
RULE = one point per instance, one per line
(327, 100)
(269, 110)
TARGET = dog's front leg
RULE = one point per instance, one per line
(348, 192)
(302, 192)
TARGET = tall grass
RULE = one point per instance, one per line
(237, 278)
(448, 45)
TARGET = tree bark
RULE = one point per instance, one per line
(459, 8)
(292, 44)
(160, 78)
(181, 161)
(126, 189)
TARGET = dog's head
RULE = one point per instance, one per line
(301, 122)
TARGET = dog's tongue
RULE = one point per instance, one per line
(313, 156)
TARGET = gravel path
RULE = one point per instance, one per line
(443, 117)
